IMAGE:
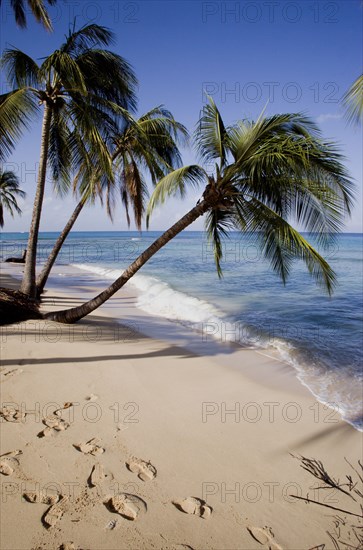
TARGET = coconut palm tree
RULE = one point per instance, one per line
(9, 192)
(37, 8)
(353, 101)
(74, 85)
(148, 144)
(267, 174)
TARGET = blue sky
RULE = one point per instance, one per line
(295, 55)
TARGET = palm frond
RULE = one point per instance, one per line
(20, 69)
(133, 189)
(9, 192)
(59, 157)
(40, 13)
(246, 137)
(175, 184)
(17, 109)
(300, 177)
(211, 135)
(67, 73)
(218, 222)
(38, 10)
(109, 76)
(88, 36)
(353, 101)
(282, 244)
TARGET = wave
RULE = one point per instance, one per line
(157, 297)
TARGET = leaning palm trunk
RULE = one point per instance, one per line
(28, 286)
(73, 315)
(44, 274)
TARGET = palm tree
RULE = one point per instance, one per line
(266, 173)
(148, 144)
(75, 84)
(37, 8)
(353, 101)
(9, 192)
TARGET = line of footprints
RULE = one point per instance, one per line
(127, 505)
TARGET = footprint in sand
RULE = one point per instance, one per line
(54, 423)
(6, 468)
(12, 414)
(66, 405)
(144, 470)
(98, 475)
(195, 506)
(90, 448)
(54, 514)
(8, 462)
(42, 498)
(128, 506)
(263, 536)
(68, 546)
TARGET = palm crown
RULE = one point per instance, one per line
(9, 192)
(85, 87)
(267, 175)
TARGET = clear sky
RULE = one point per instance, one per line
(295, 55)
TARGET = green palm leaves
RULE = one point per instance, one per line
(269, 175)
(147, 145)
(144, 146)
(37, 8)
(9, 193)
(353, 101)
(73, 80)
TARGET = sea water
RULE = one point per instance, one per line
(320, 336)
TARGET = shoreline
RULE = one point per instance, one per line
(192, 338)
(216, 424)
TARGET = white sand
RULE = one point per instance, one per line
(166, 412)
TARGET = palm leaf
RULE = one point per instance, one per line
(281, 243)
(38, 10)
(109, 76)
(9, 191)
(17, 109)
(40, 13)
(59, 158)
(67, 73)
(88, 36)
(211, 135)
(218, 222)
(20, 69)
(175, 184)
(353, 101)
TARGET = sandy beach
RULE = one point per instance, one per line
(197, 435)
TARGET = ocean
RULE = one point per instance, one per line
(321, 337)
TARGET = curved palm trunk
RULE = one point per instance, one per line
(28, 283)
(75, 314)
(44, 274)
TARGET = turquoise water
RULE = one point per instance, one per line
(321, 337)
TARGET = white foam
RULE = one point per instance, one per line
(159, 298)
